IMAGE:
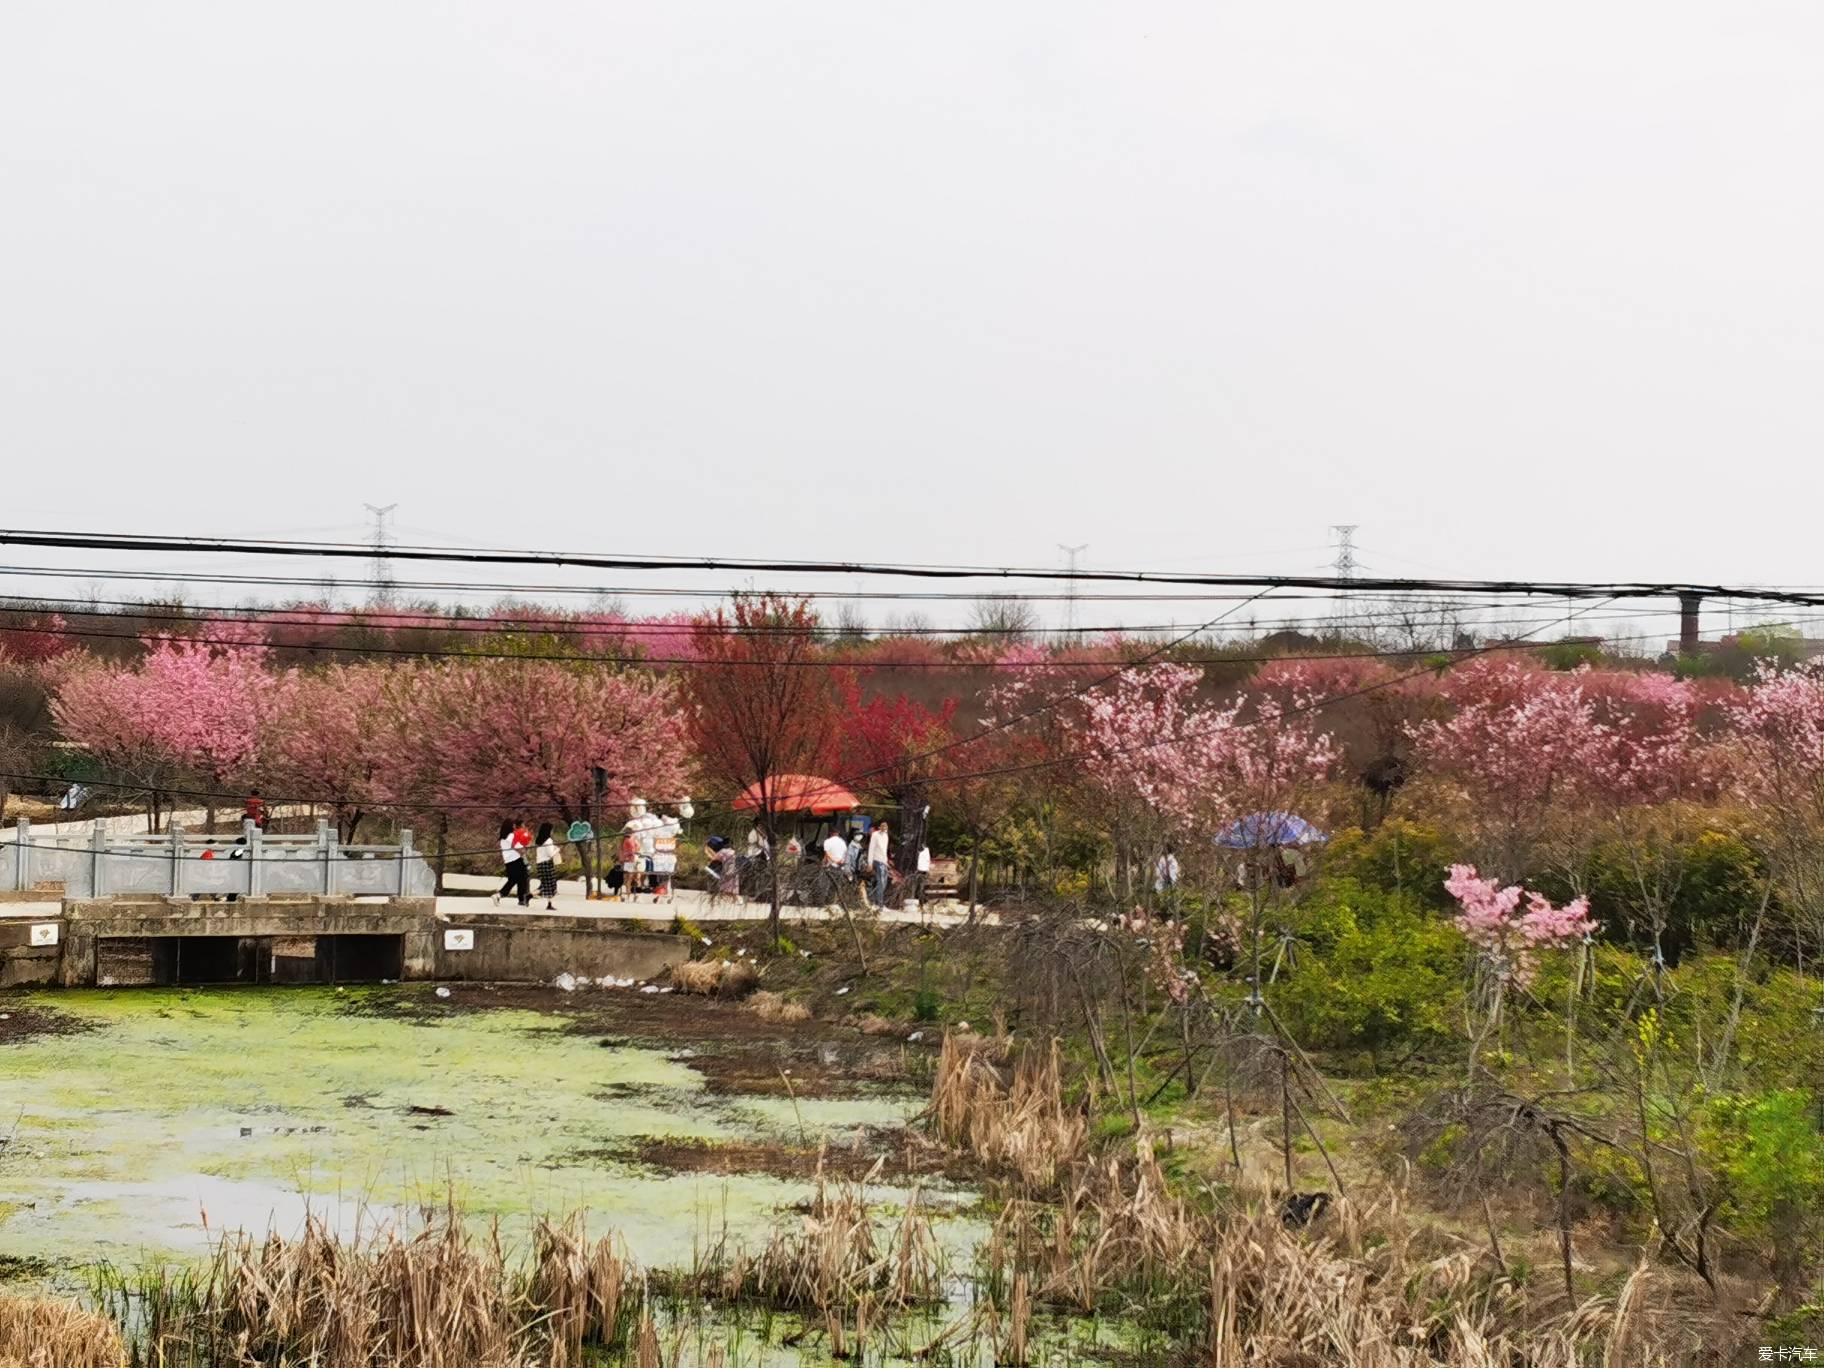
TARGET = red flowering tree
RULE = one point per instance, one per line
(894, 747)
(763, 702)
(33, 634)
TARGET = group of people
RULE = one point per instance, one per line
(845, 859)
(648, 861)
(516, 839)
(648, 858)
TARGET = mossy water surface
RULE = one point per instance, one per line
(178, 1112)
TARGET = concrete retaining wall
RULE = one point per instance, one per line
(115, 941)
(528, 949)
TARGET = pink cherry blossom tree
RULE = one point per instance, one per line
(513, 738)
(1775, 757)
(1521, 745)
(1510, 927)
(327, 736)
(187, 709)
(1139, 746)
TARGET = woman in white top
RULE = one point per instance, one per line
(547, 867)
(513, 862)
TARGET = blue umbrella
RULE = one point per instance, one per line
(1262, 830)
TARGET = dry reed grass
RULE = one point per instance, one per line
(38, 1333)
(770, 1006)
(716, 978)
(1374, 1289)
(587, 1289)
(442, 1299)
(1018, 1119)
(831, 1259)
(1369, 1287)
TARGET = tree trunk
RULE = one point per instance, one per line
(209, 816)
(443, 844)
(975, 868)
(772, 916)
(772, 871)
(911, 834)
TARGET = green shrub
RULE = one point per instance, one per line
(1371, 971)
(1398, 856)
(1715, 877)
(1768, 1153)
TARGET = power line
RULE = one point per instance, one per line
(252, 547)
(331, 649)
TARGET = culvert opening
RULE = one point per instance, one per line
(199, 961)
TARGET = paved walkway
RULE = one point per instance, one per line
(689, 902)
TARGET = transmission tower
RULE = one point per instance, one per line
(1343, 567)
(1070, 585)
(383, 568)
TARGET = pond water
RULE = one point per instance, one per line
(170, 1115)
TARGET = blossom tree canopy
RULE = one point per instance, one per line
(518, 737)
(1142, 739)
(187, 706)
(327, 737)
(896, 746)
(1508, 936)
(1778, 727)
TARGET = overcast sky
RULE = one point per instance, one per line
(1528, 290)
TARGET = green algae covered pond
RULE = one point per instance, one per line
(139, 1126)
(144, 1122)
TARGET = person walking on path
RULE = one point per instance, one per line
(547, 867)
(513, 863)
(835, 866)
(877, 865)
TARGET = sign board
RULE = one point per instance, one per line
(458, 940)
(581, 831)
(44, 933)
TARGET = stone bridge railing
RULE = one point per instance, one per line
(106, 864)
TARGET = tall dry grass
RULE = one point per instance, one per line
(1232, 1284)
(39, 1333)
(833, 1258)
(442, 1299)
(716, 978)
(1014, 1116)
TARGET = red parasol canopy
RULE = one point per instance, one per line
(799, 793)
